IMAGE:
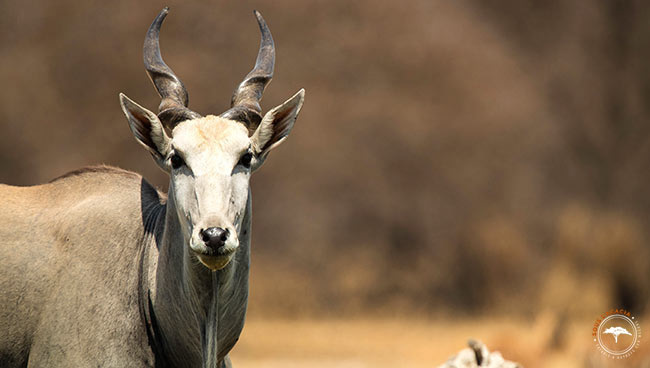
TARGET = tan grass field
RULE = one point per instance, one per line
(419, 343)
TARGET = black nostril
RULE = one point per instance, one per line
(214, 237)
(204, 235)
(224, 235)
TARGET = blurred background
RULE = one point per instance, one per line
(459, 169)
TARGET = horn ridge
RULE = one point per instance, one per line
(170, 88)
(245, 102)
(256, 80)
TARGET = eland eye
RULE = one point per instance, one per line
(177, 161)
(246, 159)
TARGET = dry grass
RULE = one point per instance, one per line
(418, 343)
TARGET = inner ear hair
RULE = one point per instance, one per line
(146, 127)
(277, 123)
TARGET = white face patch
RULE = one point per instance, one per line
(211, 188)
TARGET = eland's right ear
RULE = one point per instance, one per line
(148, 130)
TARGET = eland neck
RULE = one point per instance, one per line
(197, 314)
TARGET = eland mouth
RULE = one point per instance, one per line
(215, 263)
(214, 257)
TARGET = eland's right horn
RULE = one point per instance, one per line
(173, 107)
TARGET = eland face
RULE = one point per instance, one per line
(210, 159)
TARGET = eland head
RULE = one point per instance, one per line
(210, 158)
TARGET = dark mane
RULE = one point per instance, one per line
(101, 169)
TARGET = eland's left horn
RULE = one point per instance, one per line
(245, 103)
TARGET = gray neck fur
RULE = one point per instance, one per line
(198, 313)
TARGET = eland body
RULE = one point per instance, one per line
(98, 268)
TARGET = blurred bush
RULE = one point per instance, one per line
(451, 156)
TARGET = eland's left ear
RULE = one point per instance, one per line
(276, 125)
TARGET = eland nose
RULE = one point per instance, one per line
(214, 237)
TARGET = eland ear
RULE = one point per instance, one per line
(148, 130)
(276, 125)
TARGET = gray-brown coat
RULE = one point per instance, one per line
(98, 268)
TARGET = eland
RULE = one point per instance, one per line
(98, 268)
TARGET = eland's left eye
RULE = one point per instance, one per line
(245, 160)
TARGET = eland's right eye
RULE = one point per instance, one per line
(177, 161)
